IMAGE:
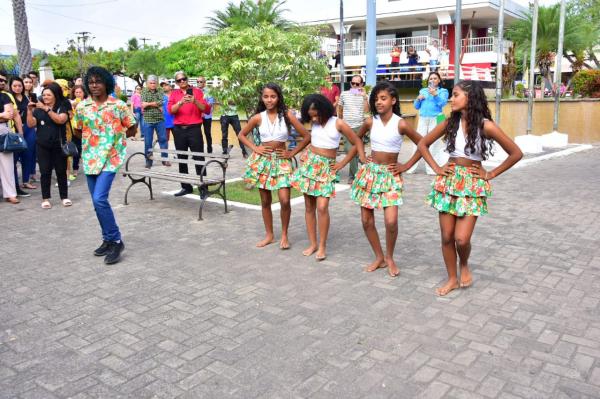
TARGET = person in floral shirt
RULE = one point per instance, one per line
(103, 123)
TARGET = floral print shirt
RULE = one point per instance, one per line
(104, 145)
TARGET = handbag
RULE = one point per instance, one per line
(12, 142)
(68, 148)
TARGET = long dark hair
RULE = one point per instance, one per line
(56, 90)
(282, 109)
(439, 77)
(75, 87)
(387, 86)
(321, 104)
(477, 111)
(17, 79)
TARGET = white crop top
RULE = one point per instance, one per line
(327, 137)
(277, 131)
(460, 144)
(386, 138)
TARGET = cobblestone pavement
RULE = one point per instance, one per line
(195, 311)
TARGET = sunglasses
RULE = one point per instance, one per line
(355, 83)
(181, 80)
(3, 80)
(202, 81)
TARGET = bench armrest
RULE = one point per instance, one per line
(129, 159)
(223, 166)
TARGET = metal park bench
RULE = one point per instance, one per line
(210, 177)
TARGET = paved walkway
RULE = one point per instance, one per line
(195, 311)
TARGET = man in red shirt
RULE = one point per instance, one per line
(333, 93)
(187, 105)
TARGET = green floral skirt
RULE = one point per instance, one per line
(268, 171)
(375, 187)
(460, 194)
(314, 176)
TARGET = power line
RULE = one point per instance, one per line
(94, 23)
(79, 5)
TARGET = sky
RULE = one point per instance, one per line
(113, 22)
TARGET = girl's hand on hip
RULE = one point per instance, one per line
(397, 168)
(262, 150)
(283, 153)
(479, 172)
(446, 170)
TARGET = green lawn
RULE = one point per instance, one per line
(236, 191)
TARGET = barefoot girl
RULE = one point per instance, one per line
(378, 184)
(315, 178)
(462, 185)
(269, 167)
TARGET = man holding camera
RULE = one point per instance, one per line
(187, 104)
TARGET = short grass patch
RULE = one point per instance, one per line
(237, 191)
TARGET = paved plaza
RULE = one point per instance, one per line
(194, 310)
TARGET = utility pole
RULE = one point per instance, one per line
(82, 37)
(371, 43)
(532, 67)
(342, 78)
(499, 60)
(557, 69)
(144, 39)
(457, 40)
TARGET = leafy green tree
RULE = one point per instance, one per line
(144, 62)
(580, 35)
(246, 59)
(174, 56)
(250, 13)
(133, 44)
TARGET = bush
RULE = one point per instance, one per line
(587, 83)
(520, 90)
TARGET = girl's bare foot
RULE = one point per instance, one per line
(310, 250)
(378, 263)
(466, 278)
(268, 240)
(320, 255)
(445, 289)
(393, 270)
(284, 243)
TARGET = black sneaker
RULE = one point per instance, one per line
(102, 250)
(21, 193)
(182, 192)
(114, 252)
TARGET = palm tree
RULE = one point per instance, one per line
(22, 35)
(250, 13)
(547, 36)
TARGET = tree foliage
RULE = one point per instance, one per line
(581, 35)
(248, 14)
(246, 59)
(144, 62)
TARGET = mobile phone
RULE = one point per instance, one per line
(33, 98)
(189, 91)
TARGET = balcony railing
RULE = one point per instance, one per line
(483, 44)
(384, 46)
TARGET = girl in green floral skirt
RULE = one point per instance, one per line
(269, 167)
(315, 178)
(460, 190)
(378, 184)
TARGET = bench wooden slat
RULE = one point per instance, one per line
(191, 153)
(175, 177)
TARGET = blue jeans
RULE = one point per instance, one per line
(27, 157)
(99, 186)
(138, 116)
(148, 133)
(433, 64)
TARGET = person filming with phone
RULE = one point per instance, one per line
(352, 106)
(430, 103)
(187, 104)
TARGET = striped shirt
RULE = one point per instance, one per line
(353, 108)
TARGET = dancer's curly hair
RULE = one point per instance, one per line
(387, 86)
(102, 74)
(282, 109)
(477, 111)
(321, 104)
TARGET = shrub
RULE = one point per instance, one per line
(520, 90)
(587, 83)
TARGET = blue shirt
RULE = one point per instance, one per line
(168, 117)
(211, 100)
(431, 106)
